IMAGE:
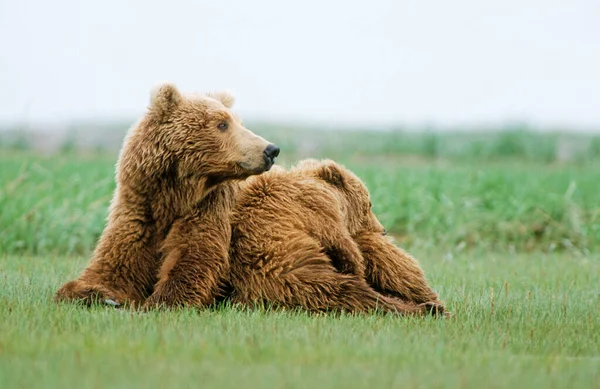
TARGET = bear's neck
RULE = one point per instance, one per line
(161, 202)
(173, 200)
(153, 186)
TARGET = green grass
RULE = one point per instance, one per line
(509, 241)
(519, 321)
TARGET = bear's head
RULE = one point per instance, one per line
(355, 200)
(187, 137)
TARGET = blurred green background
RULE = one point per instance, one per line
(509, 189)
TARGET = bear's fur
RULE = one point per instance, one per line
(171, 199)
(308, 238)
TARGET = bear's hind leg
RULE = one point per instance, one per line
(394, 272)
(305, 278)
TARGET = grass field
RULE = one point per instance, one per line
(510, 242)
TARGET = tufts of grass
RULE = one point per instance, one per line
(495, 206)
(53, 203)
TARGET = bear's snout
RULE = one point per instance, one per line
(270, 153)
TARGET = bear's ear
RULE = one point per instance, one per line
(225, 97)
(331, 173)
(165, 98)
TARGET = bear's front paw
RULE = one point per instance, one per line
(159, 302)
(172, 294)
(81, 292)
(161, 299)
(435, 308)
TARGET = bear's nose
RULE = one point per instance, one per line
(271, 151)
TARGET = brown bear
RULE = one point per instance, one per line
(308, 238)
(171, 200)
(179, 192)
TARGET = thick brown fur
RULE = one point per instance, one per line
(171, 202)
(307, 238)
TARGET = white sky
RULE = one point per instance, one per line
(363, 62)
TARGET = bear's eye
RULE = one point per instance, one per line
(223, 126)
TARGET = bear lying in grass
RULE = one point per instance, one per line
(183, 224)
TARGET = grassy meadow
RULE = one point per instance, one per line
(506, 225)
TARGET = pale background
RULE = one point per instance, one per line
(367, 63)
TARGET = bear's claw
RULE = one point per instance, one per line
(112, 303)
